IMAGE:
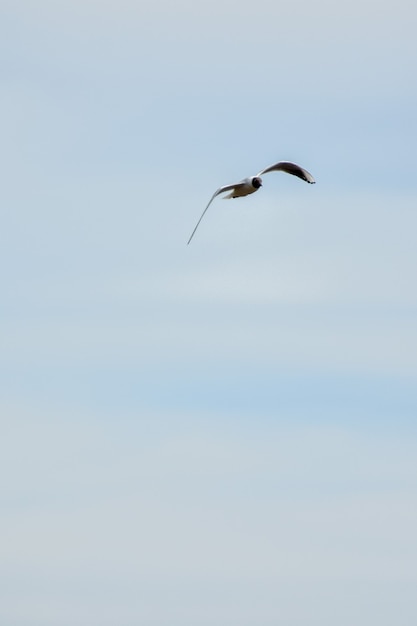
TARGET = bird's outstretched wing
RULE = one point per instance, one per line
(290, 168)
(216, 193)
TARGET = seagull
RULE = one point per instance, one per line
(253, 183)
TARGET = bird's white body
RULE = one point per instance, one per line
(253, 183)
(246, 187)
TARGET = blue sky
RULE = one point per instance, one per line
(223, 432)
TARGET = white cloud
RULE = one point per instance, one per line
(205, 514)
(315, 281)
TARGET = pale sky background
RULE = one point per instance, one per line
(223, 433)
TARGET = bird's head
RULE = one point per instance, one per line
(256, 182)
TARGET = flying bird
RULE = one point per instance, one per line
(253, 183)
